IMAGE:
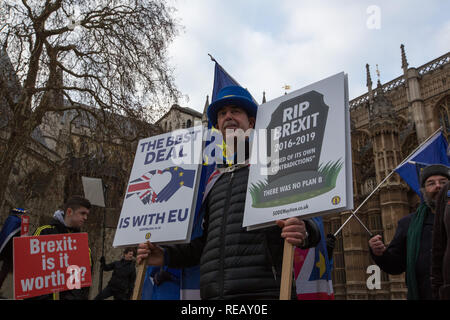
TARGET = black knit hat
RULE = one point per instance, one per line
(434, 170)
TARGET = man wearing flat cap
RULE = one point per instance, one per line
(234, 263)
(410, 249)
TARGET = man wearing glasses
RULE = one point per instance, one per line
(410, 249)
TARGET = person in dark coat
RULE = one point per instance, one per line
(70, 220)
(121, 284)
(410, 249)
(11, 228)
(440, 266)
(234, 263)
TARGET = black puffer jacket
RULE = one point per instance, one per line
(235, 263)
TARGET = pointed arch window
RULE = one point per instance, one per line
(444, 116)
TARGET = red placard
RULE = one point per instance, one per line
(50, 263)
(24, 225)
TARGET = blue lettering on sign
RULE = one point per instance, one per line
(162, 150)
(163, 155)
(174, 215)
(170, 141)
(152, 145)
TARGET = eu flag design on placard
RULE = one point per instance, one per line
(180, 178)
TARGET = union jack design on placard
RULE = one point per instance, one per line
(141, 187)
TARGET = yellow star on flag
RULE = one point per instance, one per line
(321, 264)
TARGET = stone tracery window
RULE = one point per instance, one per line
(369, 185)
(444, 115)
(410, 143)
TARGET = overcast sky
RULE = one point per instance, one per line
(266, 44)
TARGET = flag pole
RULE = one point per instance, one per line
(139, 283)
(359, 207)
(379, 185)
(212, 58)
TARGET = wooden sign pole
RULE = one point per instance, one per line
(140, 276)
(286, 271)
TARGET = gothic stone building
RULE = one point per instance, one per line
(387, 124)
(179, 118)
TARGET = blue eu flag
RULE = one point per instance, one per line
(434, 151)
(221, 79)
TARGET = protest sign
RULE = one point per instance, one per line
(308, 171)
(160, 198)
(24, 225)
(93, 191)
(50, 263)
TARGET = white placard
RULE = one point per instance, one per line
(93, 191)
(159, 202)
(308, 171)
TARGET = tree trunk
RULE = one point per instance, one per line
(11, 149)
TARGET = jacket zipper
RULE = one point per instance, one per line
(222, 236)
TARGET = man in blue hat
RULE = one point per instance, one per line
(237, 100)
(234, 263)
(233, 113)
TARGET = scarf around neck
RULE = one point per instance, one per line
(413, 239)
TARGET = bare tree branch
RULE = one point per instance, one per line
(104, 58)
